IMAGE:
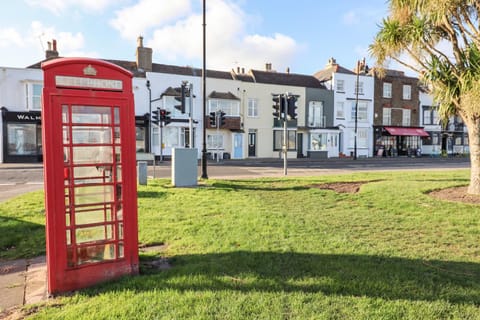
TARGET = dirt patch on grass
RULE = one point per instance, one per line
(340, 187)
(457, 194)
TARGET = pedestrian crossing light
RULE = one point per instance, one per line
(165, 116)
(181, 99)
(156, 116)
(292, 107)
(278, 106)
(212, 116)
(222, 118)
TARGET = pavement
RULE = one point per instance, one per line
(22, 282)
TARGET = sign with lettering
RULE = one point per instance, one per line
(33, 116)
(93, 83)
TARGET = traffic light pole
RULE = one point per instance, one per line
(190, 117)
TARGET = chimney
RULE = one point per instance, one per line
(243, 70)
(331, 62)
(288, 70)
(268, 66)
(51, 52)
(144, 56)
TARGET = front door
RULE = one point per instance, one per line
(300, 145)
(252, 141)
(237, 146)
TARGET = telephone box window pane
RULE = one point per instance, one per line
(67, 219)
(66, 138)
(69, 238)
(121, 253)
(66, 156)
(120, 231)
(117, 135)
(96, 253)
(118, 154)
(119, 192)
(95, 215)
(93, 194)
(70, 261)
(92, 155)
(119, 211)
(65, 118)
(91, 135)
(97, 174)
(92, 115)
(116, 114)
(119, 173)
(93, 233)
(67, 197)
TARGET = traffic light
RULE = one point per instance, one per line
(212, 117)
(156, 116)
(222, 118)
(181, 99)
(292, 107)
(279, 106)
(165, 116)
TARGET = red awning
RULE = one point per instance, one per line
(401, 131)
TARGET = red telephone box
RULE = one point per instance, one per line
(88, 123)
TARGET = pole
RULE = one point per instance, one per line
(160, 132)
(150, 115)
(204, 89)
(356, 112)
(190, 118)
(217, 124)
(285, 130)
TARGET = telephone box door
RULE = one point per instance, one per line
(90, 181)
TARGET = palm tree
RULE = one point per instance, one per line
(440, 40)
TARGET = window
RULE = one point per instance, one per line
(427, 116)
(315, 114)
(387, 90)
(340, 112)
(34, 96)
(362, 138)
(436, 117)
(362, 111)
(215, 141)
(252, 108)
(359, 87)
(387, 116)
(341, 85)
(318, 141)
(230, 107)
(22, 139)
(407, 92)
(406, 117)
(278, 140)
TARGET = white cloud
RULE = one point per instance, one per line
(136, 20)
(30, 45)
(228, 44)
(59, 6)
(9, 37)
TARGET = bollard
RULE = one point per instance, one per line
(142, 172)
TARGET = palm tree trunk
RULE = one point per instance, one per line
(473, 126)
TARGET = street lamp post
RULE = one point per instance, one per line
(204, 98)
(150, 117)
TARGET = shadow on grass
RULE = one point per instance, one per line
(21, 239)
(230, 186)
(329, 274)
(151, 194)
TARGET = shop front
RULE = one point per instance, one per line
(22, 136)
(398, 141)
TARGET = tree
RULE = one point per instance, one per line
(440, 40)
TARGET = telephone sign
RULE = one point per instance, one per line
(88, 126)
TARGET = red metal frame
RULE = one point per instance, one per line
(88, 123)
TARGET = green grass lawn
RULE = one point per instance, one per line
(284, 249)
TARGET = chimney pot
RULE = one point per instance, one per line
(140, 42)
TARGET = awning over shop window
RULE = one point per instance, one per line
(402, 131)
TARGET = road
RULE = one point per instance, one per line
(17, 179)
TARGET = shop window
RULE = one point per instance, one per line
(318, 141)
(22, 139)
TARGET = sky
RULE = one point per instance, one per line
(301, 35)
